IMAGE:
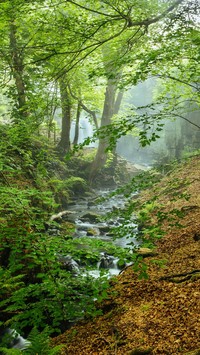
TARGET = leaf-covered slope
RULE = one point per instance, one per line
(159, 315)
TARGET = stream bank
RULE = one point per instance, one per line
(159, 315)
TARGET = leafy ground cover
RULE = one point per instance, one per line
(159, 315)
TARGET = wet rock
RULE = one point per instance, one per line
(104, 229)
(92, 232)
(69, 263)
(63, 216)
(107, 261)
(53, 230)
(13, 340)
(90, 217)
(121, 264)
(93, 202)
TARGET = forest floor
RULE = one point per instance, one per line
(160, 315)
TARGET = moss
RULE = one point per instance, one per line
(75, 184)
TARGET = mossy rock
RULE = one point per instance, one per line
(68, 228)
(90, 217)
(146, 252)
(92, 232)
(75, 184)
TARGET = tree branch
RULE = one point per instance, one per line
(84, 107)
(178, 278)
(186, 119)
(94, 11)
(148, 21)
(179, 80)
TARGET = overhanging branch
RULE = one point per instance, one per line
(179, 80)
(186, 119)
(148, 21)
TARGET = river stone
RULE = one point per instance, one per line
(63, 216)
(106, 261)
(69, 263)
(92, 232)
(93, 202)
(104, 229)
(146, 252)
(90, 217)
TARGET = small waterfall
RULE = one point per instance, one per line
(15, 340)
(86, 129)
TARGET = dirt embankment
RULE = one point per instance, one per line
(160, 315)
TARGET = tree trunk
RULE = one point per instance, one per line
(78, 113)
(111, 107)
(64, 144)
(17, 72)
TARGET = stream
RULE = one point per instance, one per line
(83, 213)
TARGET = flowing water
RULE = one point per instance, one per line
(102, 205)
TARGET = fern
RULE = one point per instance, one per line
(40, 343)
(5, 351)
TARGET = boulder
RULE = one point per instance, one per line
(92, 232)
(63, 216)
(104, 229)
(107, 261)
(146, 252)
(69, 263)
(90, 217)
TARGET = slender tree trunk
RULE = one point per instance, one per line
(64, 144)
(115, 112)
(78, 113)
(17, 72)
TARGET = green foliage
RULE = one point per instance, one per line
(73, 185)
(11, 351)
(87, 250)
(40, 345)
(36, 290)
(22, 214)
(76, 184)
(55, 298)
(89, 155)
(9, 283)
(124, 126)
(61, 193)
(189, 153)
(65, 189)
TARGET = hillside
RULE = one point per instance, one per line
(159, 315)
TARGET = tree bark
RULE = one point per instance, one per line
(17, 72)
(78, 113)
(111, 107)
(64, 144)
